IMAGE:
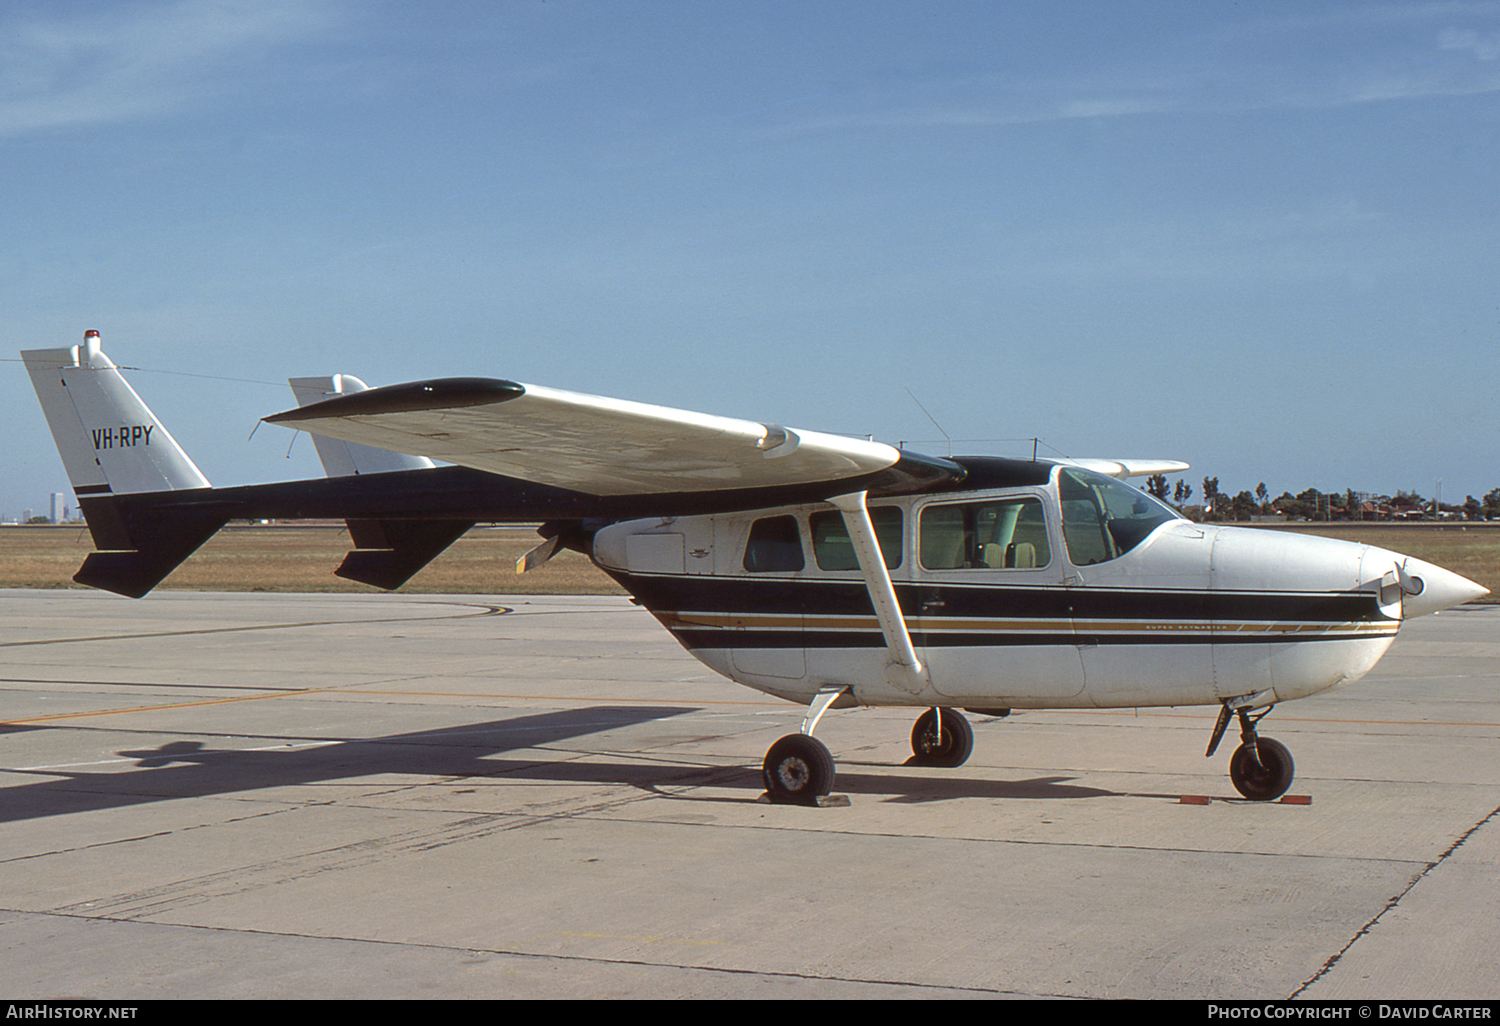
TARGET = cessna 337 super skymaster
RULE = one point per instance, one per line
(825, 570)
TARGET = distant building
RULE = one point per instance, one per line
(59, 507)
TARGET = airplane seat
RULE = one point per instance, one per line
(1021, 556)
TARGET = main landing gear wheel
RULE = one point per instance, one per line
(1264, 779)
(952, 747)
(798, 768)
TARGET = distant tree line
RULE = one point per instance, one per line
(1218, 506)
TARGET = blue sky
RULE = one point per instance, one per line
(1259, 237)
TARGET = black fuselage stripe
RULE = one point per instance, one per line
(821, 598)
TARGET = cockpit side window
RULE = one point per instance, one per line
(834, 551)
(775, 545)
(1104, 518)
(1007, 534)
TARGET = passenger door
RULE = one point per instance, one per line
(992, 621)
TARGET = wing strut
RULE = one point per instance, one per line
(904, 669)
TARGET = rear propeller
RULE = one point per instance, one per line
(543, 552)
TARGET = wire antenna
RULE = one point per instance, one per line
(930, 417)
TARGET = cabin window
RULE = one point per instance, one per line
(834, 551)
(1008, 534)
(775, 545)
(1104, 518)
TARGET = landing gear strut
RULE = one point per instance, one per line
(1261, 769)
(799, 768)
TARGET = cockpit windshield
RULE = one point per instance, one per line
(1104, 518)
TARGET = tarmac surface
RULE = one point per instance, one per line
(393, 796)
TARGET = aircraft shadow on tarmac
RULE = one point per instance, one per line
(461, 754)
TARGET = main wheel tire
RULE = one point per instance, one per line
(952, 748)
(1269, 780)
(798, 768)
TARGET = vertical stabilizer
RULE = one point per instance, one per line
(124, 467)
(109, 441)
(386, 552)
(345, 459)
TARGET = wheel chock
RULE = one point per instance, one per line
(824, 801)
(1286, 799)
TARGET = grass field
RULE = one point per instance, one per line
(303, 558)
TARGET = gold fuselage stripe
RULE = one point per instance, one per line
(925, 624)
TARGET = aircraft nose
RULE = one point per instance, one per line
(1427, 588)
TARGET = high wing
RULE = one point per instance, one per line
(585, 443)
(1128, 468)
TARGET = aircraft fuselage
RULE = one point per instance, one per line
(1037, 590)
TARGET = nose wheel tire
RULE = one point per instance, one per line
(798, 768)
(1266, 780)
(952, 747)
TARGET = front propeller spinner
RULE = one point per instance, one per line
(1426, 588)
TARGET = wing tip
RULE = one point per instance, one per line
(435, 394)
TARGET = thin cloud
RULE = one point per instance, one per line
(1484, 47)
(141, 61)
(1405, 52)
(1253, 93)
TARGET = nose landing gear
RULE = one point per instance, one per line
(1261, 769)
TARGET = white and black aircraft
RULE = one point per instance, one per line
(825, 570)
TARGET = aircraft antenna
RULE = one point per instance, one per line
(930, 417)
